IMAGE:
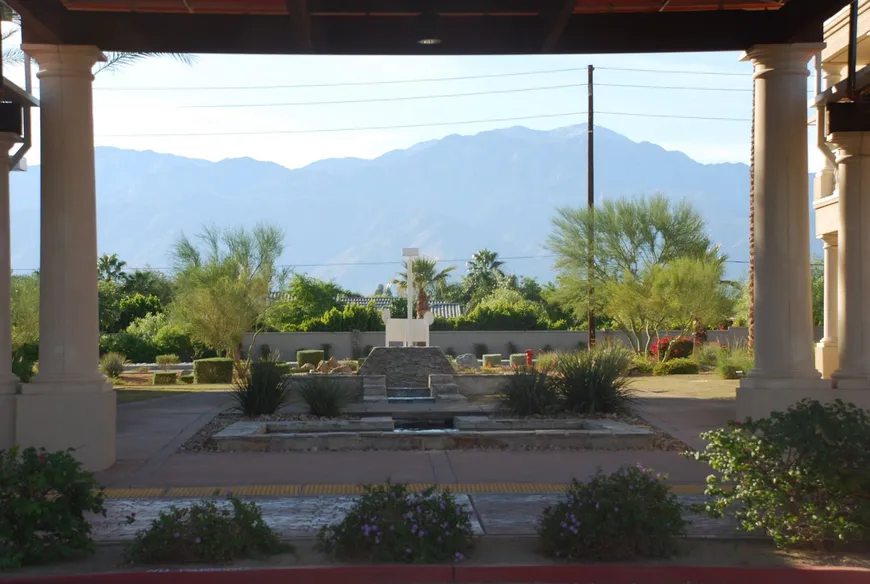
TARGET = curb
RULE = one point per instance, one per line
(346, 489)
(546, 574)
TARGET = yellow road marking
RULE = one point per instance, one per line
(352, 489)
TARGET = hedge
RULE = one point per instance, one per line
(188, 378)
(267, 368)
(679, 366)
(492, 360)
(164, 378)
(215, 370)
(518, 360)
(313, 356)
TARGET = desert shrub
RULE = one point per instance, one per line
(641, 365)
(43, 500)
(479, 349)
(547, 360)
(313, 356)
(165, 361)
(594, 381)
(707, 354)
(625, 515)
(529, 393)
(263, 390)
(518, 360)
(137, 348)
(492, 360)
(187, 378)
(801, 475)
(171, 339)
(164, 378)
(112, 364)
(215, 370)
(681, 366)
(205, 532)
(734, 362)
(324, 397)
(389, 524)
(667, 348)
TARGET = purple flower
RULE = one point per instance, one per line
(176, 534)
(573, 530)
(616, 509)
(459, 510)
(459, 557)
(197, 540)
(421, 533)
(414, 528)
(228, 493)
(596, 506)
(419, 509)
(564, 525)
(443, 506)
(630, 487)
(444, 525)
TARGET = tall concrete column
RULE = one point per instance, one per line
(8, 382)
(827, 353)
(853, 157)
(784, 360)
(68, 403)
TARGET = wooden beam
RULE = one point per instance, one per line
(300, 20)
(42, 21)
(728, 30)
(804, 19)
(556, 19)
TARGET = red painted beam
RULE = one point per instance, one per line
(548, 574)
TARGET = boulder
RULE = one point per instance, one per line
(327, 366)
(467, 360)
(345, 369)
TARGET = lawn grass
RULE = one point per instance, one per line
(702, 386)
(134, 393)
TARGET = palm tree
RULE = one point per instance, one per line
(114, 60)
(428, 281)
(110, 268)
(484, 274)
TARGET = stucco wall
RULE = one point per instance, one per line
(459, 341)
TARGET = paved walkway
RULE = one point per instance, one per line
(150, 434)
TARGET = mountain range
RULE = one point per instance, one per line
(449, 197)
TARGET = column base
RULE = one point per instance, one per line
(56, 420)
(827, 358)
(8, 402)
(757, 397)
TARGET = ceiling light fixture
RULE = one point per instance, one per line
(429, 26)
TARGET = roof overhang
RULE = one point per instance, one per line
(392, 27)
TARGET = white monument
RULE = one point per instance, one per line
(410, 331)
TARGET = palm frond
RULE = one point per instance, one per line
(116, 61)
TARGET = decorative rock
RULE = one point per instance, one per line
(466, 360)
(406, 366)
(342, 369)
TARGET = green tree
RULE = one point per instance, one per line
(632, 237)
(109, 302)
(484, 275)
(149, 282)
(136, 306)
(818, 289)
(301, 299)
(110, 268)
(223, 289)
(428, 282)
(25, 310)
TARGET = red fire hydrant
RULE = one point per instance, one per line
(529, 357)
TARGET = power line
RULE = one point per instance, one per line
(420, 125)
(453, 95)
(422, 80)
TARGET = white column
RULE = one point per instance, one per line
(783, 301)
(69, 403)
(827, 358)
(8, 382)
(853, 157)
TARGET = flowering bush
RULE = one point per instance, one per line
(678, 366)
(801, 475)
(628, 514)
(389, 524)
(204, 532)
(43, 499)
(679, 347)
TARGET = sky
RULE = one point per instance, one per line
(167, 106)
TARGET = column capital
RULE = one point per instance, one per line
(782, 59)
(65, 60)
(830, 239)
(849, 144)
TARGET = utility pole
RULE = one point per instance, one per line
(590, 194)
